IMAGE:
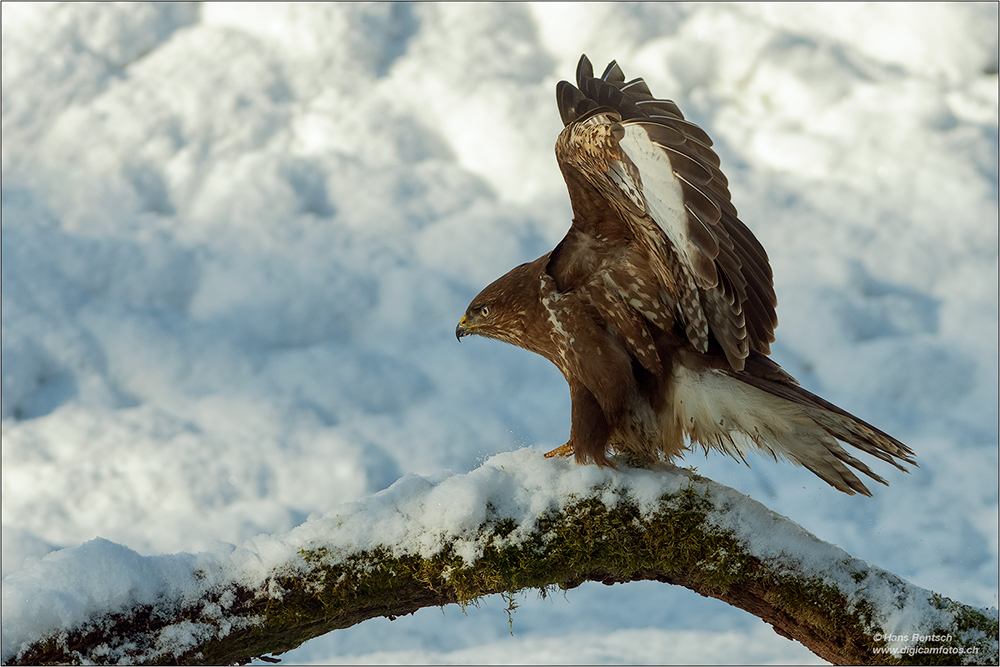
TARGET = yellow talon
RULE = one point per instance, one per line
(562, 450)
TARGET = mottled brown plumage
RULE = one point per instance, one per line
(658, 305)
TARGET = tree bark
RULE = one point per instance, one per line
(838, 611)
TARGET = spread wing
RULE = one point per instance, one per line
(654, 231)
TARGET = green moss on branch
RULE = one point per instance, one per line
(586, 541)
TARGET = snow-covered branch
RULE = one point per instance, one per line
(518, 522)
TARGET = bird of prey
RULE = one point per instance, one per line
(658, 305)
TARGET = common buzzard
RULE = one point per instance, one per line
(658, 305)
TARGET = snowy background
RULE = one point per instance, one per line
(237, 240)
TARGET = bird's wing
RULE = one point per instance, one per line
(649, 201)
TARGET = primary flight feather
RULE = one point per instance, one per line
(658, 305)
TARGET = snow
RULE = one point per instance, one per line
(420, 516)
(237, 239)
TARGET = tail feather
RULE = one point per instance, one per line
(826, 459)
(842, 426)
(836, 421)
(763, 408)
(864, 436)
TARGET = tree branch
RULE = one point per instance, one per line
(697, 534)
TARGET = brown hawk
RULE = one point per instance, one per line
(658, 305)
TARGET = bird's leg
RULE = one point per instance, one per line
(590, 429)
(562, 450)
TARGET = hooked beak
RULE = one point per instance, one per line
(461, 330)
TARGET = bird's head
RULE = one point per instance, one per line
(503, 310)
(478, 320)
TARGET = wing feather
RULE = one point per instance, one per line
(637, 88)
(688, 128)
(685, 166)
(666, 107)
(613, 73)
(639, 172)
(572, 102)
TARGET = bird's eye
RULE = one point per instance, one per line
(484, 311)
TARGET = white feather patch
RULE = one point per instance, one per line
(660, 190)
(718, 411)
(711, 407)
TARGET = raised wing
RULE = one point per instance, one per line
(649, 200)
